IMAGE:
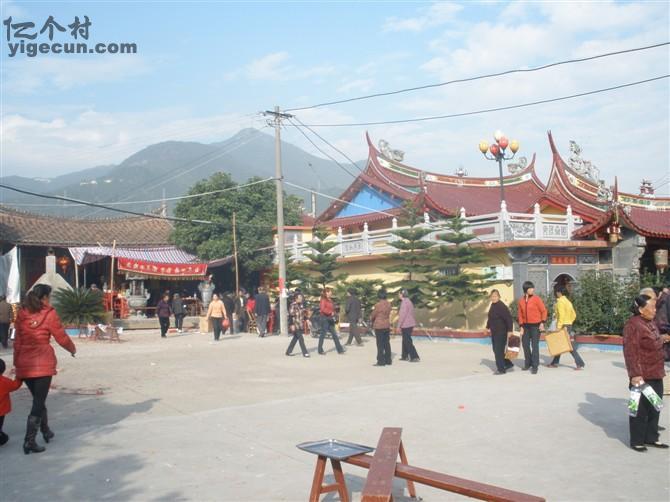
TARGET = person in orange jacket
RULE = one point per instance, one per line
(6, 386)
(532, 315)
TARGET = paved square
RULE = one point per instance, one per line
(188, 419)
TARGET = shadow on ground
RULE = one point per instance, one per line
(356, 483)
(608, 413)
(64, 471)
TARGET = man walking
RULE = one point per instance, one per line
(241, 310)
(352, 309)
(262, 311)
(532, 316)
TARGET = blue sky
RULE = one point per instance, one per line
(204, 69)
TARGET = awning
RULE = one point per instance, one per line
(165, 254)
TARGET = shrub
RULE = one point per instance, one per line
(602, 302)
(79, 306)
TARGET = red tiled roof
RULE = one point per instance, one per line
(648, 223)
(17, 227)
(363, 218)
(443, 193)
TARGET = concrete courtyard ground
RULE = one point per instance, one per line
(188, 419)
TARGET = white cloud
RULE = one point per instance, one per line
(361, 85)
(276, 67)
(30, 75)
(437, 14)
(10, 8)
(618, 130)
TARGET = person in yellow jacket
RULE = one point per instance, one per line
(565, 316)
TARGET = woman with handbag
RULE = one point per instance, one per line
(643, 353)
(217, 314)
(565, 317)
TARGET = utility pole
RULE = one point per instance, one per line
(237, 272)
(281, 252)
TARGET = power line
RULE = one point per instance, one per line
(480, 77)
(329, 144)
(93, 204)
(337, 199)
(489, 110)
(239, 143)
(126, 211)
(320, 150)
(181, 197)
(388, 180)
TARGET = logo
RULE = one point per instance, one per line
(23, 38)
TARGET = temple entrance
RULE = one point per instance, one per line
(565, 280)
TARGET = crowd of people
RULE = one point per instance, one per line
(646, 342)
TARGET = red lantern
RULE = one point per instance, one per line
(494, 149)
(503, 143)
(63, 261)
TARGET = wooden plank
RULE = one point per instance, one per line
(379, 483)
(472, 489)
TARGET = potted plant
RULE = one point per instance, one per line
(79, 307)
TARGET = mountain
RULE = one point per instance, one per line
(170, 168)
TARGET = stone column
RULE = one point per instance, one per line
(519, 257)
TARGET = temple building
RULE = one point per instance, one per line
(131, 259)
(547, 233)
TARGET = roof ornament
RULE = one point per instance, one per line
(580, 166)
(518, 166)
(647, 189)
(604, 193)
(389, 153)
(461, 171)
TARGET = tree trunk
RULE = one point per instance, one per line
(465, 314)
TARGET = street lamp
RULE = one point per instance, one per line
(497, 153)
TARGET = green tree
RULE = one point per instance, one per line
(412, 257)
(366, 290)
(79, 307)
(255, 209)
(603, 302)
(451, 282)
(322, 265)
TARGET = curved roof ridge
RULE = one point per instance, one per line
(530, 168)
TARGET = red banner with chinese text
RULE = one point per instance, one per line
(164, 269)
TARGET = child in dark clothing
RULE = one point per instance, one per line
(6, 386)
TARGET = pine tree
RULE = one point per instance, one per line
(412, 258)
(453, 283)
(322, 265)
(366, 290)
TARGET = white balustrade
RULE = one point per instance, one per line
(486, 227)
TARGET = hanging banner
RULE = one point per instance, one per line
(162, 269)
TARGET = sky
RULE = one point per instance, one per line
(203, 71)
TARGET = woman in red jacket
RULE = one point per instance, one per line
(327, 311)
(35, 360)
(643, 352)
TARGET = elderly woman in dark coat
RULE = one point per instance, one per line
(499, 326)
(643, 352)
